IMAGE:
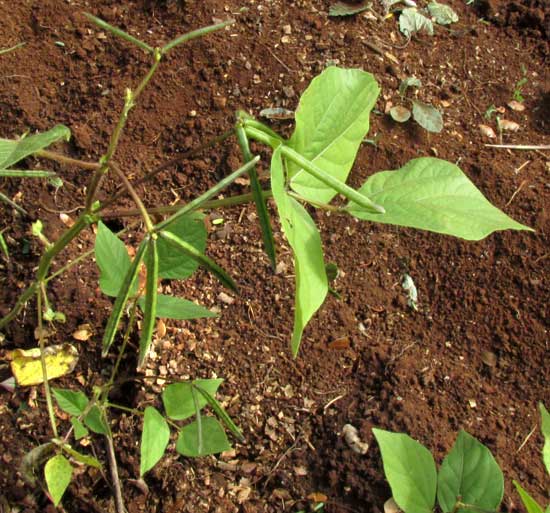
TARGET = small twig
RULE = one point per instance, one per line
(520, 146)
(280, 460)
(277, 59)
(521, 167)
(14, 205)
(114, 474)
(516, 192)
(332, 401)
(526, 439)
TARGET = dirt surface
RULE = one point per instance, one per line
(367, 359)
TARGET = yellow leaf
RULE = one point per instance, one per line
(27, 369)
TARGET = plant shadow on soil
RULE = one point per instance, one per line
(419, 372)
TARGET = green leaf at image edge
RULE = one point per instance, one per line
(435, 195)
(214, 439)
(154, 439)
(469, 471)
(545, 429)
(410, 470)
(531, 505)
(58, 473)
(303, 237)
(12, 151)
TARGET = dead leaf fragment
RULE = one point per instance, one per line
(300, 471)
(351, 436)
(317, 497)
(390, 506)
(489, 358)
(487, 131)
(517, 106)
(27, 368)
(83, 333)
(509, 126)
(339, 343)
(161, 328)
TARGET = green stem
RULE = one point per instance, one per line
(197, 202)
(139, 413)
(125, 340)
(12, 204)
(49, 403)
(6, 50)
(199, 419)
(194, 34)
(62, 159)
(188, 154)
(259, 200)
(45, 262)
(317, 204)
(135, 197)
(315, 171)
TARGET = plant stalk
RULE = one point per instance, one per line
(47, 392)
(62, 159)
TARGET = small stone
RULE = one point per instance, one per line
(285, 40)
(287, 29)
(226, 298)
(220, 102)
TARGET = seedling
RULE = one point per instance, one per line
(469, 478)
(310, 168)
(520, 84)
(426, 115)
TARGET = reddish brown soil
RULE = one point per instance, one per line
(420, 372)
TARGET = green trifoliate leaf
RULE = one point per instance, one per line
(172, 264)
(58, 472)
(433, 194)
(214, 439)
(12, 152)
(471, 472)
(112, 259)
(171, 307)
(412, 22)
(410, 470)
(304, 238)
(332, 120)
(442, 14)
(178, 397)
(427, 116)
(154, 439)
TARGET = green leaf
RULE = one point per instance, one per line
(343, 9)
(4, 246)
(14, 151)
(545, 429)
(112, 259)
(81, 458)
(427, 116)
(408, 82)
(531, 505)
(172, 264)
(122, 299)
(443, 14)
(410, 471)
(304, 238)
(400, 114)
(79, 429)
(433, 194)
(154, 439)
(96, 421)
(214, 439)
(221, 413)
(178, 397)
(150, 306)
(411, 22)
(332, 120)
(189, 250)
(171, 307)
(58, 472)
(69, 401)
(471, 472)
